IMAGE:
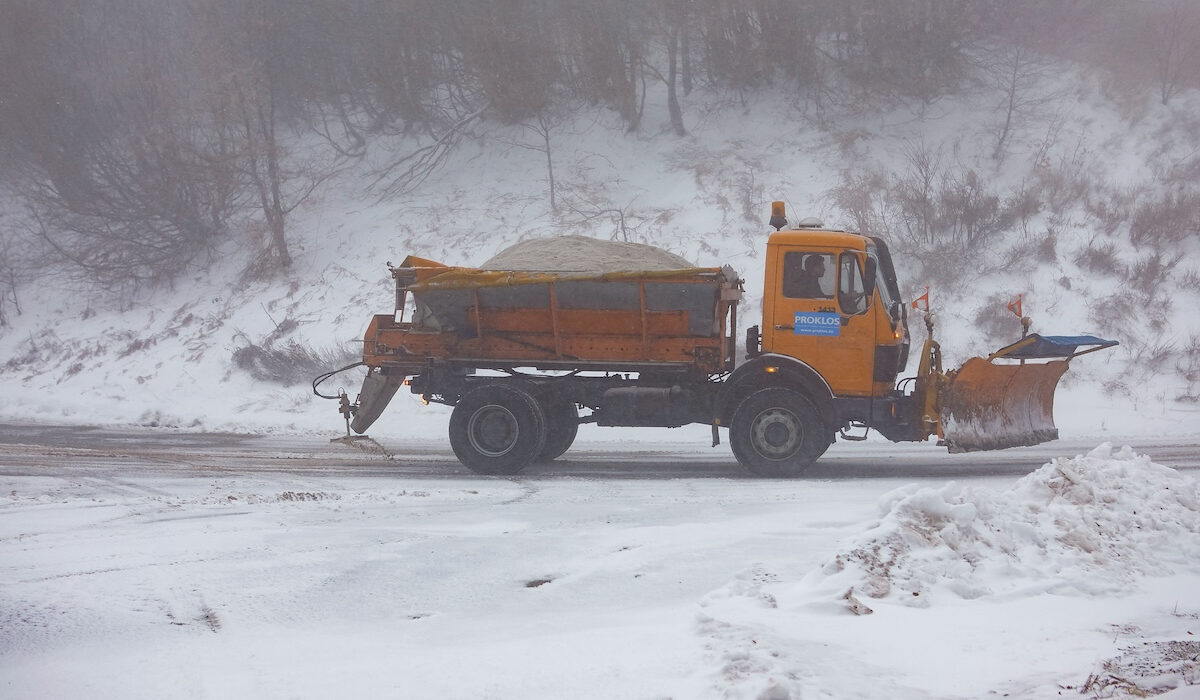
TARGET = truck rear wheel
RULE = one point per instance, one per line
(562, 425)
(497, 429)
(776, 432)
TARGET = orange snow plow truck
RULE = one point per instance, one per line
(519, 353)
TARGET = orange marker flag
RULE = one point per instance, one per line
(1015, 306)
(924, 298)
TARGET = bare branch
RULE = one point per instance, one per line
(414, 167)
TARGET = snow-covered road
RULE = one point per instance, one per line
(158, 564)
(39, 449)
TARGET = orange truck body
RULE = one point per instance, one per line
(666, 320)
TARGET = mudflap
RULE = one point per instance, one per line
(991, 406)
(377, 391)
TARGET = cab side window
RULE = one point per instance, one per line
(852, 296)
(808, 275)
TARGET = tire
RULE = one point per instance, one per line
(497, 429)
(562, 425)
(776, 432)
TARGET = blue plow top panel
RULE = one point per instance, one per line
(1036, 346)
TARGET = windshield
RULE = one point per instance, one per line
(885, 281)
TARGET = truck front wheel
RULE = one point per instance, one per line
(497, 429)
(776, 432)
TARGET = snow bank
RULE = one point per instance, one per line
(1111, 536)
(1089, 525)
(583, 254)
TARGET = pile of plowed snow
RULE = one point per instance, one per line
(1088, 525)
(583, 254)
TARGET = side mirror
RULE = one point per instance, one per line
(870, 277)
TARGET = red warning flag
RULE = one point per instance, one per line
(923, 299)
(1015, 306)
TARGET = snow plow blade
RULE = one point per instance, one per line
(993, 406)
(989, 406)
(377, 391)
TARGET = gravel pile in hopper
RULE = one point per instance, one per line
(582, 254)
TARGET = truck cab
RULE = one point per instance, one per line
(834, 338)
(830, 300)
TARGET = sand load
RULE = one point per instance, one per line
(583, 254)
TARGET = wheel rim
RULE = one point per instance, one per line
(493, 431)
(776, 433)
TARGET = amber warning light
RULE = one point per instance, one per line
(778, 215)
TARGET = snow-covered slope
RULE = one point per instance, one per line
(167, 359)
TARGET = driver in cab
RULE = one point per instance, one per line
(808, 284)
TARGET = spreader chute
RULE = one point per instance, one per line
(377, 391)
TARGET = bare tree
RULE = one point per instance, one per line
(669, 25)
(509, 54)
(246, 87)
(10, 263)
(133, 210)
(604, 44)
(864, 197)
(542, 127)
(280, 181)
(1174, 38)
(1021, 76)
(622, 219)
(408, 170)
(124, 183)
(675, 28)
(938, 212)
(916, 48)
(916, 190)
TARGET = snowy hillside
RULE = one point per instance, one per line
(1058, 223)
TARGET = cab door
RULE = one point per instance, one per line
(823, 322)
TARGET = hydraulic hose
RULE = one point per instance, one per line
(321, 378)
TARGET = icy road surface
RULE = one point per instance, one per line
(152, 564)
